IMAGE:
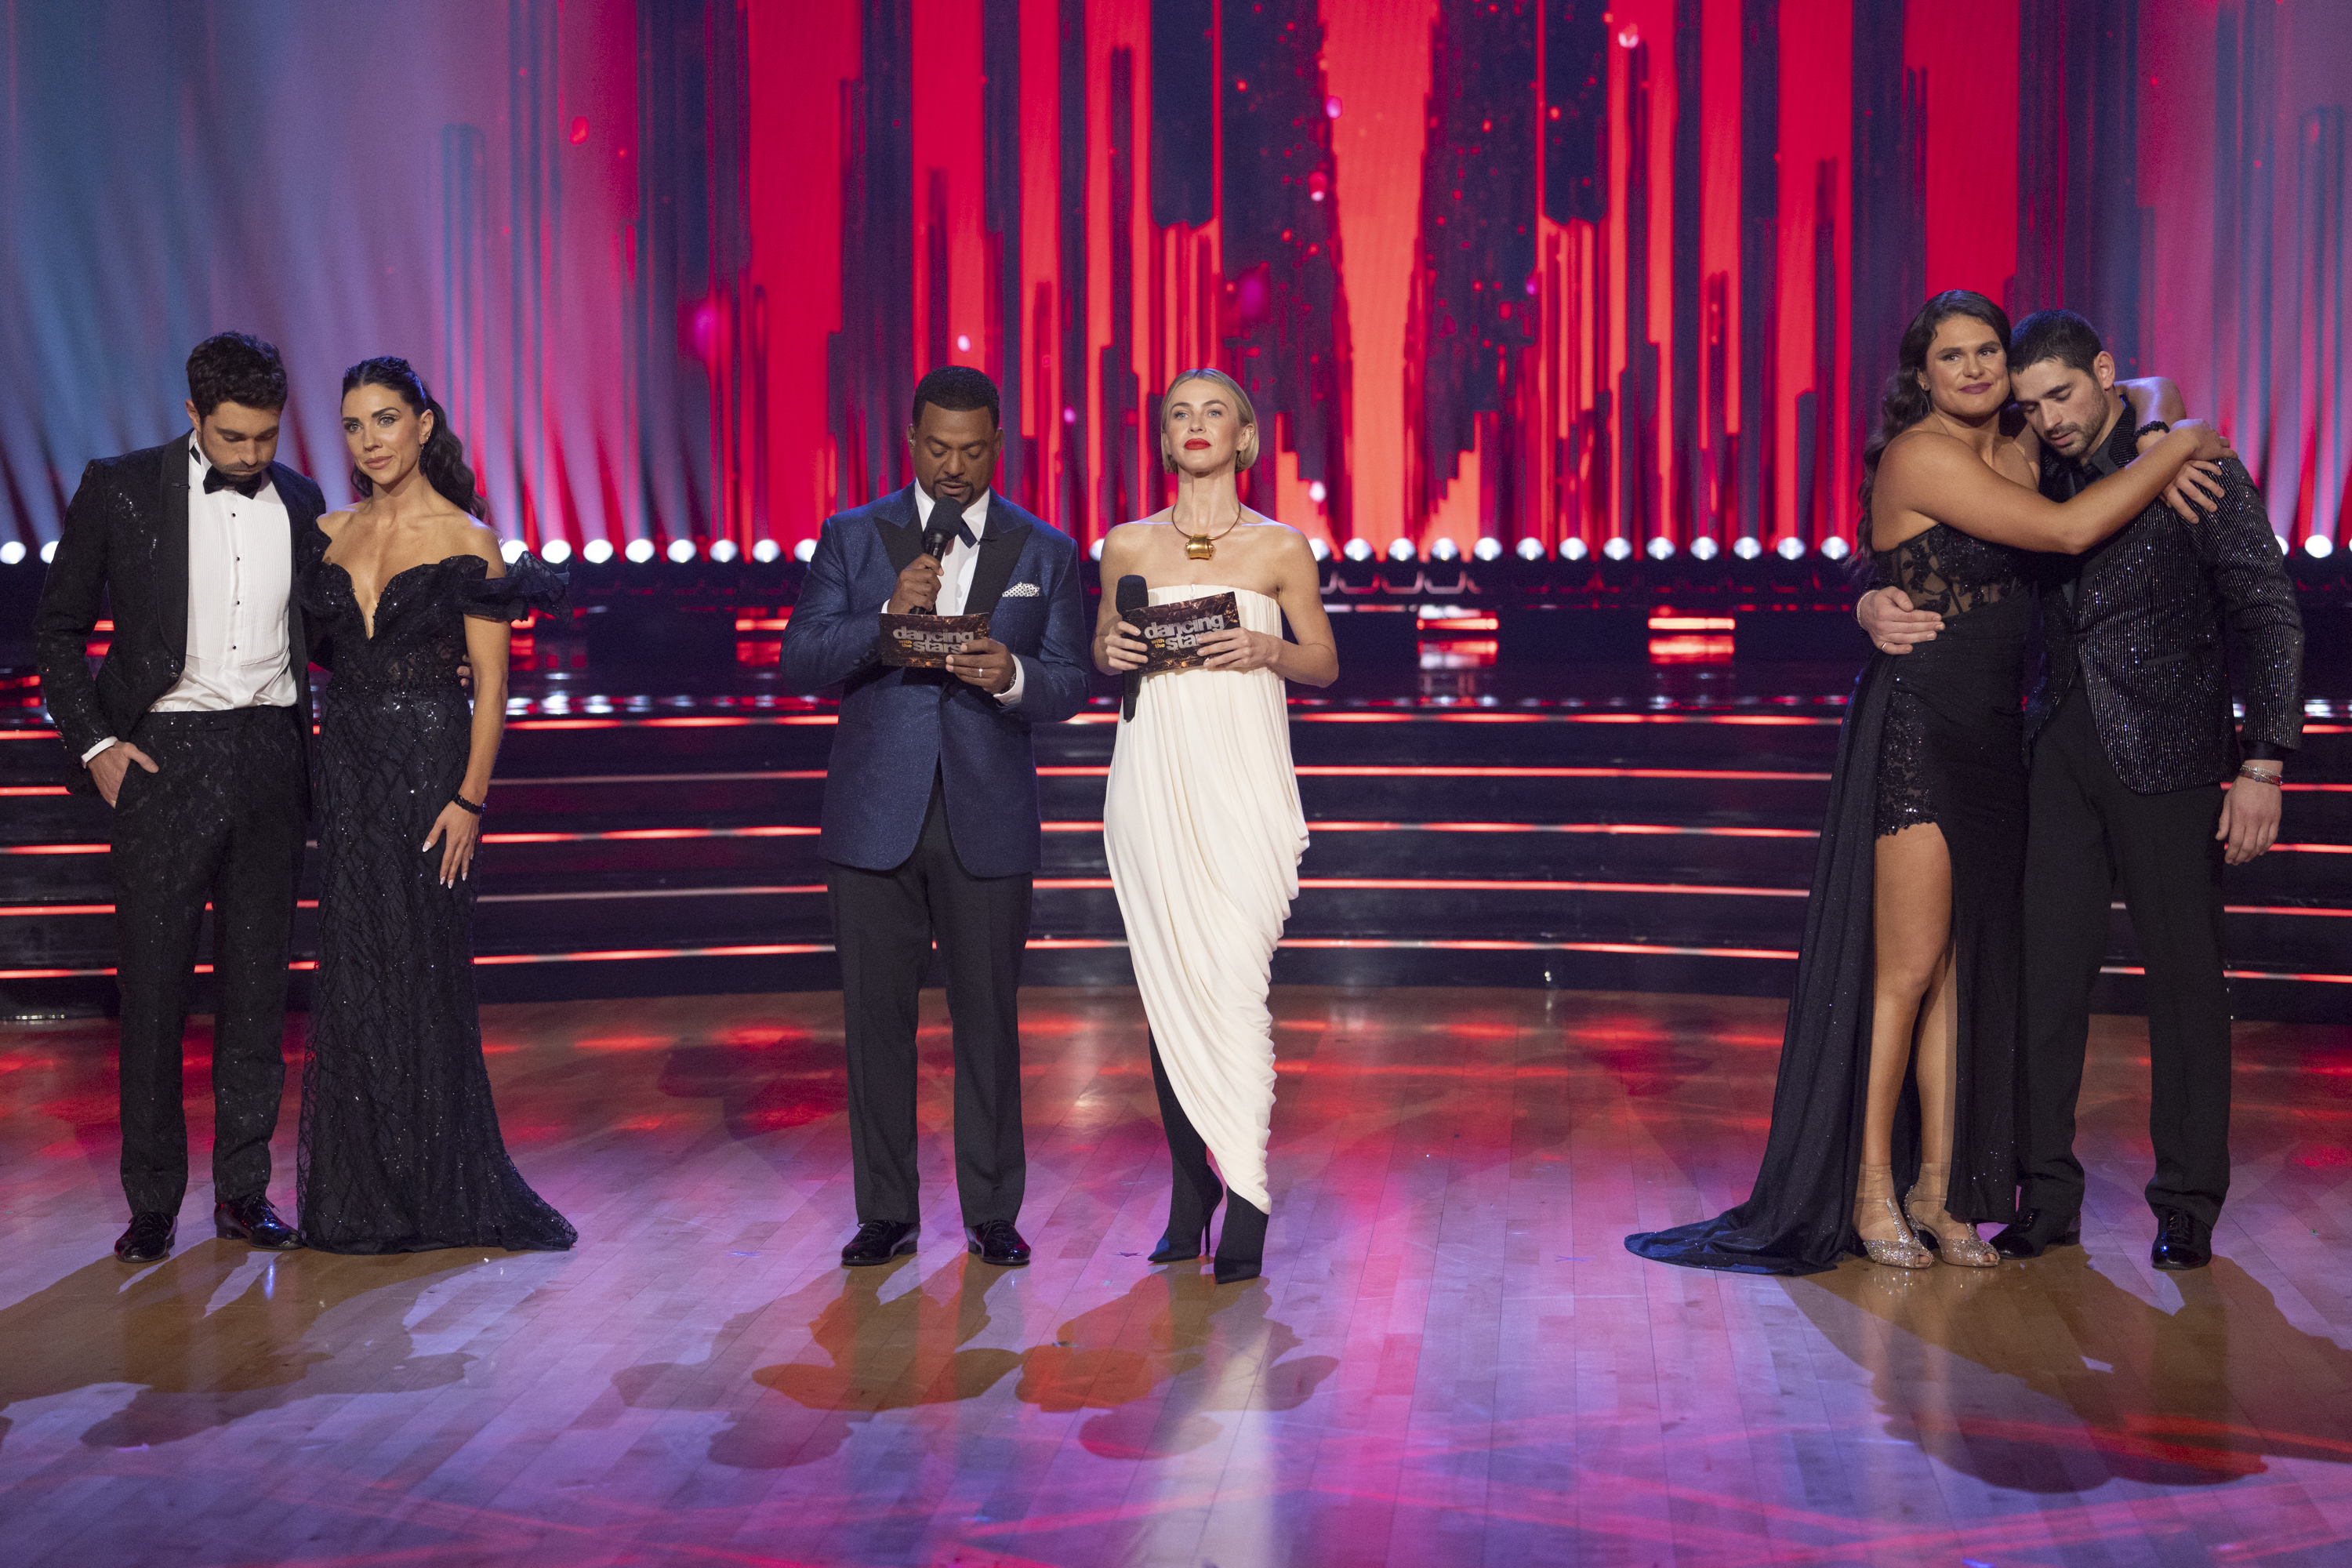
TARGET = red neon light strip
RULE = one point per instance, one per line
(1097, 884)
(659, 778)
(1468, 885)
(790, 890)
(1319, 825)
(2241, 974)
(1364, 771)
(19, 791)
(768, 950)
(732, 721)
(1606, 828)
(1302, 713)
(1353, 771)
(624, 954)
(1465, 945)
(626, 833)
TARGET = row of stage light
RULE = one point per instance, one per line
(683, 551)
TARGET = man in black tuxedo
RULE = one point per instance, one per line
(931, 830)
(2133, 735)
(196, 732)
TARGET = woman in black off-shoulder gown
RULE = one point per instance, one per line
(1934, 736)
(400, 1149)
(1899, 1067)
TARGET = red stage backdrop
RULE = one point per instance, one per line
(1491, 268)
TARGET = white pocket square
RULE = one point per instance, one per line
(1020, 590)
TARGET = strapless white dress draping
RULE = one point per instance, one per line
(1203, 830)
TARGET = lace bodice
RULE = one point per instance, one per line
(1949, 573)
(420, 619)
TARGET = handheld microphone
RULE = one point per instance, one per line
(1133, 595)
(937, 535)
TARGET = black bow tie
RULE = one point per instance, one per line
(218, 479)
(963, 529)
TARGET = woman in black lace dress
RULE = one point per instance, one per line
(1901, 1044)
(400, 1149)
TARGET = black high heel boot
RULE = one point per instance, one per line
(1241, 1246)
(1196, 1191)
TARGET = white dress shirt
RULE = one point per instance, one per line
(240, 575)
(956, 570)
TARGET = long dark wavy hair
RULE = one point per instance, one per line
(444, 457)
(1905, 401)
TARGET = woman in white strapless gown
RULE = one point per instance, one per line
(1202, 822)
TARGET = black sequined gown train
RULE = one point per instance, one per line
(400, 1150)
(1933, 735)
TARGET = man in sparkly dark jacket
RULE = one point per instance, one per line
(2134, 738)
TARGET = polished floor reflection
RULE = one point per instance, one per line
(1451, 1359)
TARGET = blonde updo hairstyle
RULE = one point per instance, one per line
(1245, 454)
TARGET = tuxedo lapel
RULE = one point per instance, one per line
(999, 553)
(172, 548)
(299, 520)
(902, 541)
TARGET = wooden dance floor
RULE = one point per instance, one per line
(1452, 1359)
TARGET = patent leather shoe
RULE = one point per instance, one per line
(2036, 1232)
(149, 1239)
(878, 1241)
(253, 1221)
(2180, 1242)
(997, 1242)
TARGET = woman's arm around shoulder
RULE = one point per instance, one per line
(1936, 477)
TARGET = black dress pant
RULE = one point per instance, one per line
(885, 923)
(220, 820)
(2088, 837)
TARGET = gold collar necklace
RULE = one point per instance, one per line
(1200, 546)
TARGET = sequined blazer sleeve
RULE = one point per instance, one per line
(68, 613)
(2240, 554)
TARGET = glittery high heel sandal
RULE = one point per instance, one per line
(1874, 1209)
(1952, 1240)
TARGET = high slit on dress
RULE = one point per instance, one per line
(1933, 735)
(1203, 830)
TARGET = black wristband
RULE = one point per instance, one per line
(2156, 425)
(463, 804)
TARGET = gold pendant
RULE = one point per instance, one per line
(1200, 547)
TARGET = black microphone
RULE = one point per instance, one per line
(1133, 595)
(946, 518)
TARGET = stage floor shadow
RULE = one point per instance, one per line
(1451, 1358)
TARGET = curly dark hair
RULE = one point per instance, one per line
(444, 457)
(960, 388)
(235, 367)
(1905, 401)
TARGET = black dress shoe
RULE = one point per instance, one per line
(2180, 1242)
(149, 1239)
(2036, 1232)
(1240, 1245)
(997, 1242)
(878, 1241)
(254, 1221)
